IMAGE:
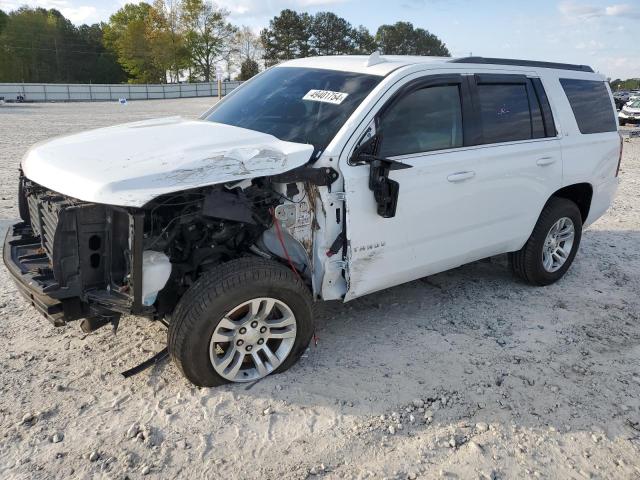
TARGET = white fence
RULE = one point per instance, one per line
(62, 92)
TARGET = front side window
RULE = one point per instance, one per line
(591, 105)
(505, 113)
(424, 120)
(304, 105)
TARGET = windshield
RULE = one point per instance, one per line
(301, 105)
(634, 104)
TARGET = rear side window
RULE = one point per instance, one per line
(505, 113)
(591, 105)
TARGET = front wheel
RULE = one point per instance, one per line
(240, 322)
(552, 246)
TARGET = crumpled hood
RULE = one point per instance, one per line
(131, 164)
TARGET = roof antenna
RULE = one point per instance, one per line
(374, 59)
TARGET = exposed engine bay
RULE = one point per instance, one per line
(198, 230)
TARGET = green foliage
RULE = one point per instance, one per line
(630, 84)
(403, 39)
(169, 40)
(129, 36)
(208, 36)
(288, 36)
(330, 34)
(39, 45)
(97, 65)
(294, 35)
(248, 69)
(363, 42)
(4, 18)
(166, 38)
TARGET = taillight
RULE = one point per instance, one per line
(620, 156)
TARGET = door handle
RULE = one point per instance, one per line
(461, 176)
(544, 161)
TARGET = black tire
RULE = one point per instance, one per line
(527, 262)
(219, 291)
(622, 123)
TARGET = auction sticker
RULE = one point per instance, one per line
(326, 96)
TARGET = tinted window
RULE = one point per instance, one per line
(424, 120)
(591, 106)
(537, 125)
(505, 113)
(541, 100)
(273, 103)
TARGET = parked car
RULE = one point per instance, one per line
(319, 179)
(620, 98)
(630, 113)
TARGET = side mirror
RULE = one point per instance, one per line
(385, 191)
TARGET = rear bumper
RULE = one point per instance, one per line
(18, 244)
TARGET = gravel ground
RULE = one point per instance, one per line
(465, 374)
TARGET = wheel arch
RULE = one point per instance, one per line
(579, 193)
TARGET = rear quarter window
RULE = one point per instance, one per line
(589, 100)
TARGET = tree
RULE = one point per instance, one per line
(363, 42)
(33, 41)
(39, 45)
(208, 36)
(331, 34)
(4, 18)
(403, 39)
(129, 35)
(96, 64)
(248, 69)
(247, 45)
(629, 84)
(288, 36)
(167, 39)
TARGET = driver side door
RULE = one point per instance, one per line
(425, 127)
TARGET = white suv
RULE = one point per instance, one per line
(319, 179)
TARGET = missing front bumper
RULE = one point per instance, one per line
(24, 260)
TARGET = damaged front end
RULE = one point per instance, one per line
(74, 259)
(80, 260)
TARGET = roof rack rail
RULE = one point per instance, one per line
(523, 63)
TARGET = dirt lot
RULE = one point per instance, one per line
(466, 374)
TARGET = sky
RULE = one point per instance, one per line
(592, 32)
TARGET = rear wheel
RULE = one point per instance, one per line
(244, 320)
(552, 246)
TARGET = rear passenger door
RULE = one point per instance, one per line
(484, 158)
(518, 158)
